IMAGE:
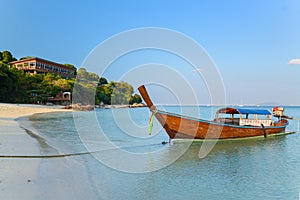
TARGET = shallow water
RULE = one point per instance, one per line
(248, 169)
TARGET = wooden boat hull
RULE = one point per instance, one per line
(184, 127)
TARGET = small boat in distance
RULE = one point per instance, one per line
(222, 127)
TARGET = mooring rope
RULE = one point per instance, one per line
(45, 156)
(79, 153)
(150, 125)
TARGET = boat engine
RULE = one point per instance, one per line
(279, 112)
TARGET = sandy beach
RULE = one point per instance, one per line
(22, 173)
(13, 111)
(17, 174)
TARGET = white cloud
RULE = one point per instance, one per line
(295, 61)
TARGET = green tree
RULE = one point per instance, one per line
(4, 79)
(71, 66)
(7, 57)
(19, 87)
(121, 93)
(102, 81)
(104, 93)
(49, 79)
(63, 84)
(3, 70)
(10, 84)
(23, 58)
(82, 73)
(84, 94)
(135, 99)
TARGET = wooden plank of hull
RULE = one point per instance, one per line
(187, 128)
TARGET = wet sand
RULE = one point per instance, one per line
(25, 173)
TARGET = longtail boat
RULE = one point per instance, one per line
(229, 127)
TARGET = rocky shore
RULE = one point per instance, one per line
(78, 107)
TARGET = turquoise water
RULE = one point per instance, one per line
(248, 169)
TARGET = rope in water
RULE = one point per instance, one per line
(76, 154)
(45, 156)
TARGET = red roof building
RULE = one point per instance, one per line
(37, 65)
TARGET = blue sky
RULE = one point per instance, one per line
(251, 42)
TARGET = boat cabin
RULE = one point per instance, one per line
(244, 117)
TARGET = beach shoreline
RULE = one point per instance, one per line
(19, 174)
(14, 111)
(15, 139)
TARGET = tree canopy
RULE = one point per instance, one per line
(71, 66)
(7, 57)
(19, 87)
(23, 58)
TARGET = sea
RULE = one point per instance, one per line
(117, 158)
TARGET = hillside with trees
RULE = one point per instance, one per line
(19, 87)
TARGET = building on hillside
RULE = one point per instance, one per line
(37, 65)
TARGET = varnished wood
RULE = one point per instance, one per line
(179, 126)
(152, 108)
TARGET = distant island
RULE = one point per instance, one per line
(39, 81)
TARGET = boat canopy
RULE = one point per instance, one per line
(244, 111)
